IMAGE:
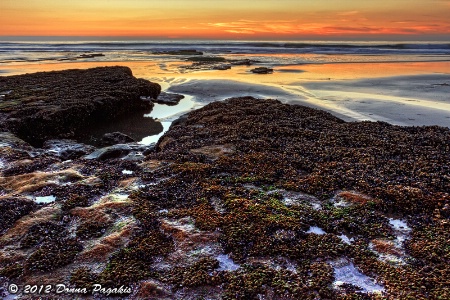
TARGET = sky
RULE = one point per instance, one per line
(229, 19)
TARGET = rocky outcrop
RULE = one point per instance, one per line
(262, 70)
(243, 62)
(179, 52)
(91, 55)
(131, 151)
(57, 104)
(7, 139)
(168, 98)
(113, 138)
(67, 149)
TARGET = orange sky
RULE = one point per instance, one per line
(228, 19)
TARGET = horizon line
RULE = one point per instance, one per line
(156, 38)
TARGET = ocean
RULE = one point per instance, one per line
(306, 52)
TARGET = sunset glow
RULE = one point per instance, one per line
(220, 19)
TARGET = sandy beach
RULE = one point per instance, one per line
(417, 95)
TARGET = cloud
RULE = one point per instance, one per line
(252, 27)
(295, 27)
(240, 31)
(349, 13)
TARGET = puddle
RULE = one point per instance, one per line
(226, 263)
(165, 115)
(395, 253)
(389, 258)
(399, 225)
(45, 199)
(134, 125)
(291, 266)
(342, 203)
(202, 251)
(184, 224)
(162, 111)
(346, 272)
(119, 197)
(316, 230)
(345, 239)
(278, 263)
(154, 138)
(402, 231)
(296, 198)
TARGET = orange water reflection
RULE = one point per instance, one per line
(282, 75)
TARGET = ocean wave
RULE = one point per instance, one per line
(234, 47)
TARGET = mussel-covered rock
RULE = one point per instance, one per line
(168, 98)
(58, 104)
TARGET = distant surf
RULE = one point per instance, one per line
(236, 46)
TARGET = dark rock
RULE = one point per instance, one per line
(206, 59)
(262, 70)
(179, 52)
(180, 121)
(148, 150)
(221, 67)
(134, 156)
(49, 105)
(242, 62)
(67, 149)
(130, 152)
(91, 55)
(111, 152)
(113, 138)
(168, 98)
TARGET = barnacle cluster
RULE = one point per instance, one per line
(244, 199)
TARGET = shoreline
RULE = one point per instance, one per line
(397, 108)
(349, 91)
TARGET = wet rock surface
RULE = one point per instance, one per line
(113, 138)
(262, 70)
(10, 140)
(241, 199)
(49, 105)
(67, 149)
(215, 63)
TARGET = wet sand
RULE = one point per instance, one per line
(408, 100)
(404, 93)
